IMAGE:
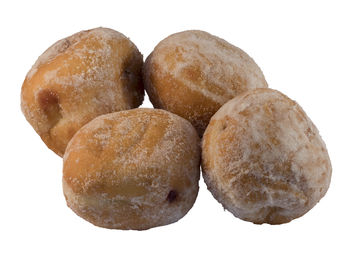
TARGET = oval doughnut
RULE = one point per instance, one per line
(263, 159)
(88, 74)
(133, 169)
(193, 73)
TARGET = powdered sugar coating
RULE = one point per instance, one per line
(90, 73)
(133, 169)
(193, 73)
(263, 158)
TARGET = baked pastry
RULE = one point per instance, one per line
(193, 73)
(133, 169)
(263, 159)
(88, 74)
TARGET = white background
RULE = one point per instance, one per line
(302, 48)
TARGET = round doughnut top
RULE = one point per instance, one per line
(264, 159)
(193, 73)
(90, 73)
(133, 169)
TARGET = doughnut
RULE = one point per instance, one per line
(263, 159)
(193, 73)
(88, 74)
(133, 169)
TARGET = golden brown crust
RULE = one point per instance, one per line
(264, 159)
(133, 169)
(85, 75)
(193, 73)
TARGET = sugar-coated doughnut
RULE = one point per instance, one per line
(133, 169)
(88, 74)
(263, 159)
(193, 73)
